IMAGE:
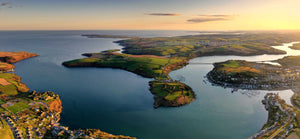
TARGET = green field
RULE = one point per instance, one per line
(174, 95)
(146, 66)
(231, 64)
(19, 106)
(6, 75)
(170, 90)
(242, 68)
(9, 89)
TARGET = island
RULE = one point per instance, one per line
(167, 92)
(29, 114)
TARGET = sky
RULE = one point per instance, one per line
(149, 15)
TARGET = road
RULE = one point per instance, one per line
(280, 129)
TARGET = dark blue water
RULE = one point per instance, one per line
(119, 102)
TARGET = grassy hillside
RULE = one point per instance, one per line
(10, 84)
(251, 75)
(147, 66)
(171, 93)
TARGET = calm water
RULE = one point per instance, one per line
(119, 102)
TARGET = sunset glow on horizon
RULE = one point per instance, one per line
(149, 15)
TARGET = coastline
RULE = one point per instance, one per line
(45, 107)
(281, 118)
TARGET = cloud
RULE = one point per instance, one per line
(216, 15)
(6, 4)
(209, 18)
(163, 14)
(200, 20)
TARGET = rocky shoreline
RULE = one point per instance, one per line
(13, 57)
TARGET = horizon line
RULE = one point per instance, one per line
(147, 30)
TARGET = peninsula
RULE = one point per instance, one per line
(168, 92)
(251, 75)
(283, 119)
(31, 114)
(12, 57)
